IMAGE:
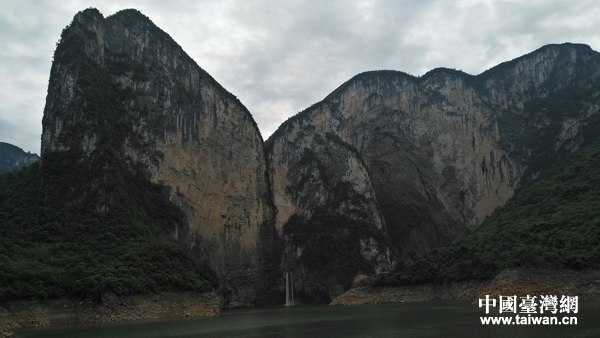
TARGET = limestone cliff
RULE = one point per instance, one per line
(124, 101)
(13, 157)
(385, 167)
(442, 151)
(334, 228)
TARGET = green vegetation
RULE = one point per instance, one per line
(331, 245)
(331, 101)
(337, 139)
(48, 253)
(88, 221)
(131, 18)
(366, 78)
(500, 70)
(537, 147)
(332, 237)
(477, 82)
(553, 222)
(287, 125)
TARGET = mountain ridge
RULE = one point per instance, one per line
(129, 103)
(396, 74)
(386, 167)
(478, 138)
(13, 157)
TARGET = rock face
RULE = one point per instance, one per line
(515, 281)
(13, 157)
(442, 151)
(334, 229)
(124, 95)
(112, 308)
(385, 167)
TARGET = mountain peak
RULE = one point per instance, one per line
(127, 107)
(13, 157)
(88, 14)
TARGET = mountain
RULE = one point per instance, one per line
(431, 156)
(154, 177)
(553, 222)
(13, 157)
(126, 103)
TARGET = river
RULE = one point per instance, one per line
(433, 319)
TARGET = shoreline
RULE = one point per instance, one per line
(111, 308)
(511, 282)
(411, 293)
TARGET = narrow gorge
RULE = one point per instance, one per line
(386, 167)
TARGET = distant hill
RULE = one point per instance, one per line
(13, 157)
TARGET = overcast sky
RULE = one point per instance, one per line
(279, 57)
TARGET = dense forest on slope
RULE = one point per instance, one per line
(555, 221)
(48, 252)
(87, 221)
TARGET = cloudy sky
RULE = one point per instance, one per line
(280, 57)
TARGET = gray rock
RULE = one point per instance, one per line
(444, 150)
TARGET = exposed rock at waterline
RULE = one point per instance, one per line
(584, 284)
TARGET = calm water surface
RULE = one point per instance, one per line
(436, 319)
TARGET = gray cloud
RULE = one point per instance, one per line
(281, 57)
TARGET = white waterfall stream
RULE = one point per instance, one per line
(289, 289)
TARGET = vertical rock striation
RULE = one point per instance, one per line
(442, 151)
(385, 167)
(124, 100)
(334, 229)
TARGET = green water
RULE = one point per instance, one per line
(439, 319)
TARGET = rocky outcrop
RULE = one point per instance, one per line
(442, 151)
(585, 283)
(385, 167)
(415, 293)
(125, 101)
(13, 157)
(7, 323)
(111, 308)
(336, 229)
(521, 282)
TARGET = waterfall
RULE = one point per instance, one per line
(289, 289)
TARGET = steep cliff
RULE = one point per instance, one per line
(335, 230)
(551, 223)
(385, 167)
(13, 157)
(125, 102)
(442, 151)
